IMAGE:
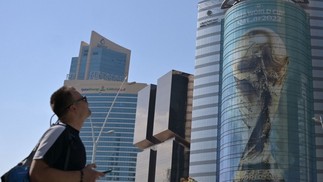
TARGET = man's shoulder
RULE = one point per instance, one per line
(55, 130)
(52, 135)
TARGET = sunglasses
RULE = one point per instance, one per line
(74, 102)
(80, 99)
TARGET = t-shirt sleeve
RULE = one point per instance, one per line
(51, 145)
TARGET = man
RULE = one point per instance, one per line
(61, 153)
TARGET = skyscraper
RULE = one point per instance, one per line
(258, 84)
(101, 59)
(100, 72)
(162, 130)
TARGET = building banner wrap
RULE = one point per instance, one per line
(266, 105)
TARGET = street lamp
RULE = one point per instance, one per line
(95, 141)
(319, 119)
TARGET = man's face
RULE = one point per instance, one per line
(81, 104)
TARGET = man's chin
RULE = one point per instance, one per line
(89, 113)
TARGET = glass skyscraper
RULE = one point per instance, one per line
(101, 59)
(258, 84)
(100, 72)
(162, 130)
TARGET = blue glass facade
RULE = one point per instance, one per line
(81, 66)
(114, 150)
(102, 59)
(107, 63)
(73, 68)
(225, 111)
(267, 132)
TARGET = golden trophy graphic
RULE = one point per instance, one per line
(259, 71)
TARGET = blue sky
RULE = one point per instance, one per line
(38, 39)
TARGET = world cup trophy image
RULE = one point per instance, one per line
(259, 72)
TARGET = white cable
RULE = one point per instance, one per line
(104, 123)
(93, 140)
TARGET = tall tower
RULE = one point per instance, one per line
(162, 129)
(101, 59)
(206, 94)
(100, 73)
(257, 87)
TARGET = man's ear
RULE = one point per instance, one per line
(73, 107)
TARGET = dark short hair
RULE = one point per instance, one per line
(61, 99)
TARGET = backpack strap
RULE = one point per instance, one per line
(27, 161)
